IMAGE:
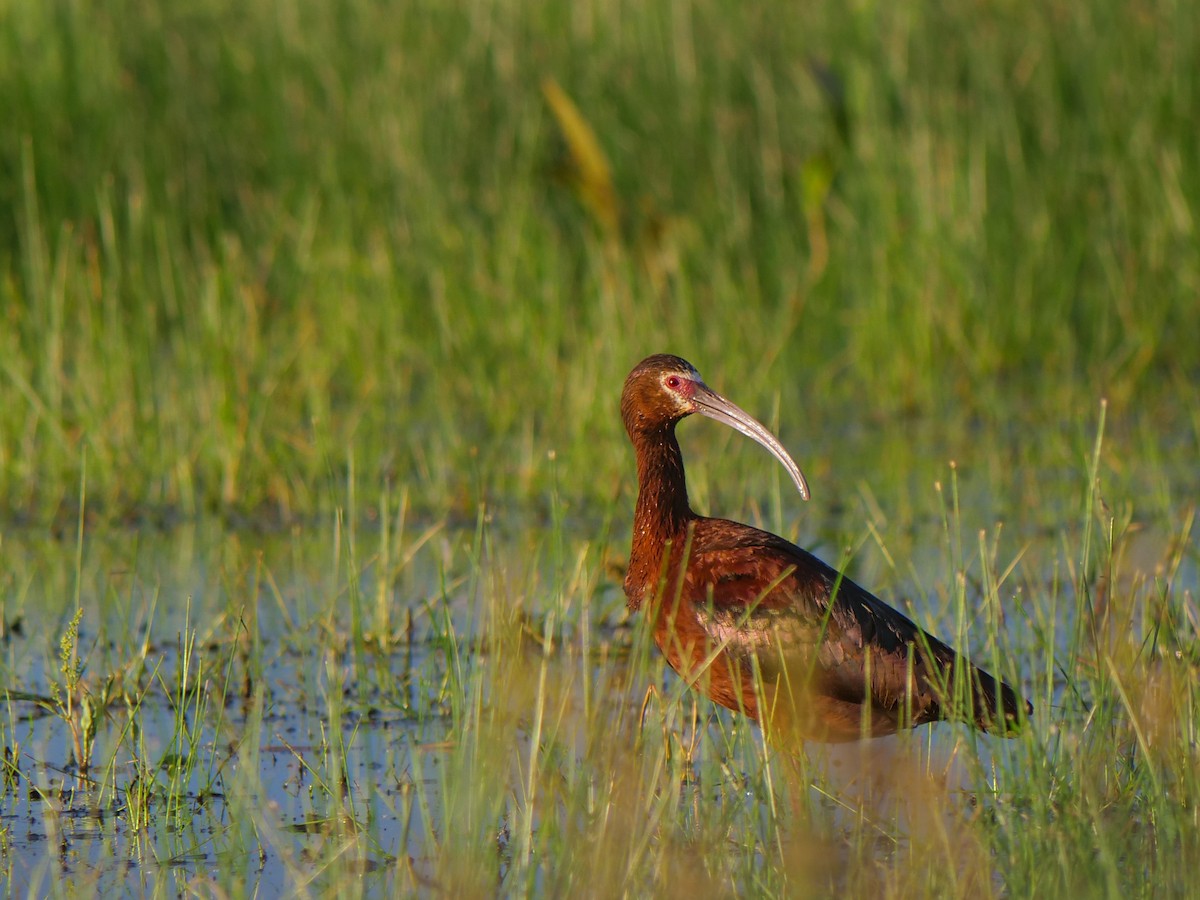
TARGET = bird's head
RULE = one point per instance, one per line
(662, 389)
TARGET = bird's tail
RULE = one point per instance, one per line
(997, 708)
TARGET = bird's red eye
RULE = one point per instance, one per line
(673, 382)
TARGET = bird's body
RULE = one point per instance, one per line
(762, 626)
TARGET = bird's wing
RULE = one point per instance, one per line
(762, 596)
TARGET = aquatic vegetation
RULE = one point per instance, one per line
(313, 489)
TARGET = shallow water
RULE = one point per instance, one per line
(234, 653)
(242, 667)
(68, 836)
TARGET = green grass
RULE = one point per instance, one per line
(512, 741)
(246, 247)
(344, 275)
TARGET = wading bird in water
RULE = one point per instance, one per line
(763, 627)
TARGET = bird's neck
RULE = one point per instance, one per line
(662, 512)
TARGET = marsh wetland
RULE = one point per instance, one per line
(315, 502)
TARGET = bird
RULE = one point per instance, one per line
(760, 625)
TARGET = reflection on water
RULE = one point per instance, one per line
(275, 710)
(257, 710)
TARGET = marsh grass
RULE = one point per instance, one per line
(528, 740)
(313, 319)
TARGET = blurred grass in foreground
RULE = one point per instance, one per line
(467, 712)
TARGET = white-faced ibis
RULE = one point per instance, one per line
(763, 627)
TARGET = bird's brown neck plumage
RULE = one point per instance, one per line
(662, 513)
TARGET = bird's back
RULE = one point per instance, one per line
(835, 660)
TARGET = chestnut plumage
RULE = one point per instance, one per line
(762, 626)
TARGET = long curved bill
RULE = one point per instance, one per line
(710, 403)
